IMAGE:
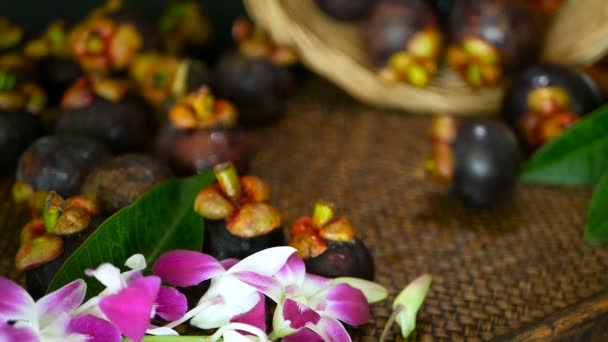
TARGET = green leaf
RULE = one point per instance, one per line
(409, 301)
(577, 157)
(161, 220)
(597, 219)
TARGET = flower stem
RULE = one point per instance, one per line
(322, 214)
(228, 178)
(390, 322)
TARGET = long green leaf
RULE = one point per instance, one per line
(597, 219)
(163, 219)
(577, 157)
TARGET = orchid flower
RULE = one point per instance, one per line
(50, 319)
(310, 307)
(228, 299)
(130, 300)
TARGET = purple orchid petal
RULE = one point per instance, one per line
(330, 330)
(95, 328)
(266, 285)
(228, 263)
(266, 262)
(345, 303)
(186, 268)
(9, 333)
(171, 304)
(15, 302)
(292, 274)
(130, 309)
(313, 284)
(63, 301)
(303, 335)
(255, 317)
(299, 315)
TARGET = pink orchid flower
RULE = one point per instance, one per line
(310, 307)
(51, 318)
(130, 300)
(228, 299)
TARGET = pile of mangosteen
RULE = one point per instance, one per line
(487, 43)
(94, 114)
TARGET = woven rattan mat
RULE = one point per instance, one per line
(494, 271)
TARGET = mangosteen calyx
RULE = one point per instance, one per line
(53, 42)
(310, 235)
(42, 238)
(101, 44)
(200, 109)
(240, 202)
(16, 96)
(255, 42)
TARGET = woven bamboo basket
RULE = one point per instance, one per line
(577, 36)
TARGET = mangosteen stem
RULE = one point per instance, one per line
(391, 320)
(228, 178)
(322, 214)
(53, 208)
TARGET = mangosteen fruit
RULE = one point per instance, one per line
(122, 180)
(404, 41)
(257, 87)
(202, 133)
(105, 110)
(47, 242)
(17, 131)
(56, 70)
(329, 246)
(346, 10)
(491, 38)
(60, 163)
(543, 100)
(238, 219)
(479, 159)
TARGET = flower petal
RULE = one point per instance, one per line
(313, 284)
(298, 314)
(15, 302)
(409, 301)
(266, 262)
(63, 301)
(171, 304)
(255, 317)
(108, 275)
(95, 328)
(234, 336)
(162, 331)
(266, 285)
(292, 274)
(130, 309)
(330, 330)
(303, 335)
(373, 292)
(186, 268)
(227, 297)
(228, 263)
(9, 333)
(345, 303)
(136, 262)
